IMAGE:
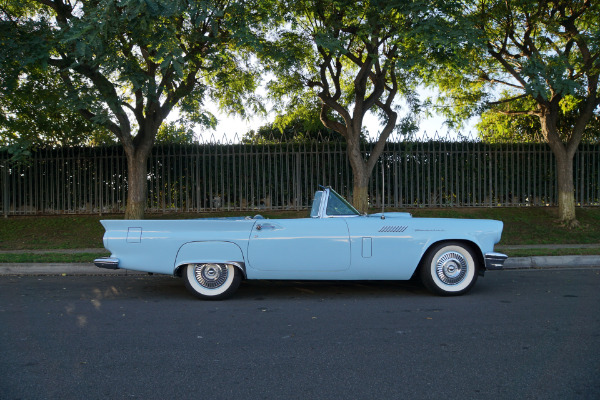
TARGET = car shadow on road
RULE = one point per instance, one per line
(161, 287)
(260, 289)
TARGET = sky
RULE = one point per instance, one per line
(229, 126)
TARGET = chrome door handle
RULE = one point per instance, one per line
(265, 226)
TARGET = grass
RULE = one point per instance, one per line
(551, 252)
(528, 225)
(51, 232)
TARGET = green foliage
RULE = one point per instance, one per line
(173, 133)
(496, 126)
(524, 59)
(38, 113)
(285, 131)
(123, 62)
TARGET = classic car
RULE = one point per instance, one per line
(336, 242)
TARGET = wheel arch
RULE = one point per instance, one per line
(209, 252)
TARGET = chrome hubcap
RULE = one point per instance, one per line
(451, 268)
(211, 276)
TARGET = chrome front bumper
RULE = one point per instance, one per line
(107, 262)
(494, 260)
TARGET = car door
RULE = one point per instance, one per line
(384, 248)
(308, 244)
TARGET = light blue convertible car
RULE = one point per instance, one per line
(213, 255)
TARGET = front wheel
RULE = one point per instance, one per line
(212, 281)
(449, 269)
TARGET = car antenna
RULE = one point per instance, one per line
(382, 190)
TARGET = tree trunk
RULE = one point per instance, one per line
(566, 189)
(360, 174)
(564, 165)
(138, 152)
(137, 184)
(360, 196)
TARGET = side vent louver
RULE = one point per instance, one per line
(393, 228)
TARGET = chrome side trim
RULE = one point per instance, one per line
(107, 262)
(494, 260)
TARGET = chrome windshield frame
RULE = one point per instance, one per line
(327, 193)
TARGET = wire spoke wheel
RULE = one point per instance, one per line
(211, 276)
(212, 280)
(449, 269)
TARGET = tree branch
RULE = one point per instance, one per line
(106, 90)
(64, 12)
(524, 112)
(331, 124)
(87, 114)
(495, 103)
(506, 65)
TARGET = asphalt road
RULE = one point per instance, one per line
(517, 335)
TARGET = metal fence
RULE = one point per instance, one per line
(215, 176)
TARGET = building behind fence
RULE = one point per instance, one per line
(213, 176)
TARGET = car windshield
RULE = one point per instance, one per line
(337, 205)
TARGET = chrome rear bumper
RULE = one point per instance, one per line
(494, 260)
(107, 262)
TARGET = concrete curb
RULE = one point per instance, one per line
(547, 262)
(56, 251)
(514, 263)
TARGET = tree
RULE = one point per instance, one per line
(356, 57)
(127, 64)
(533, 58)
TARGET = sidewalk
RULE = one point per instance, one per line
(512, 263)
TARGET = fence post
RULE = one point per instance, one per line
(5, 197)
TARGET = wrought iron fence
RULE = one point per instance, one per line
(219, 176)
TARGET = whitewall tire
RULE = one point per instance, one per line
(449, 269)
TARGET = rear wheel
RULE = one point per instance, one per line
(449, 269)
(212, 281)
